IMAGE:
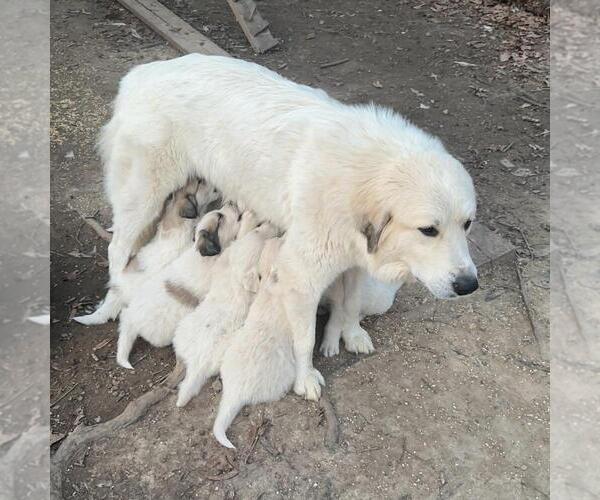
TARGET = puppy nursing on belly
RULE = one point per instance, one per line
(174, 231)
(155, 309)
(233, 287)
(256, 361)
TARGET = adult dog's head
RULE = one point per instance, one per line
(415, 219)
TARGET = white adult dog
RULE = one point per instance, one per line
(355, 187)
(158, 304)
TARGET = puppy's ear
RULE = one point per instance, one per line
(251, 281)
(208, 243)
(372, 232)
(189, 207)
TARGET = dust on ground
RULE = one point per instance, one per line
(455, 399)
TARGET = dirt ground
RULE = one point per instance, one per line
(455, 400)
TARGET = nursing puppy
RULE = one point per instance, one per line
(356, 188)
(155, 309)
(256, 362)
(198, 338)
(173, 234)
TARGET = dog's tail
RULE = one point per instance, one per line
(228, 410)
(108, 309)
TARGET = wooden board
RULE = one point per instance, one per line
(487, 246)
(172, 28)
(255, 27)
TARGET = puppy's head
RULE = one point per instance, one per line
(415, 221)
(216, 230)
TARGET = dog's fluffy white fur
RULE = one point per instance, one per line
(155, 309)
(173, 234)
(353, 186)
(199, 336)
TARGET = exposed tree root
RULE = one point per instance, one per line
(83, 436)
(332, 431)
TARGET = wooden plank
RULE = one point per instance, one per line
(172, 28)
(255, 27)
(487, 246)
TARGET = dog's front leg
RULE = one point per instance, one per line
(356, 338)
(301, 310)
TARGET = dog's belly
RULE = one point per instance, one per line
(237, 124)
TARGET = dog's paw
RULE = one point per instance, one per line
(358, 341)
(330, 346)
(310, 385)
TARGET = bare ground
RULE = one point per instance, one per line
(455, 400)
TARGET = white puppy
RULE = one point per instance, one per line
(256, 362)
(174, 232)
(354, 187)
(155, 309)
(235, 282)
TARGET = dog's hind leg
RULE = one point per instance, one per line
(136, 210)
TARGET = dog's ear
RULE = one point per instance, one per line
(251, 281)
(372, 232)
(208, 242)
(189, 208)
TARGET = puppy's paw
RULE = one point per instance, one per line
(310, 385)
(330, 346)
(357, 340)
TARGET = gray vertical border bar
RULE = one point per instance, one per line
(24, 249)
(575, 261)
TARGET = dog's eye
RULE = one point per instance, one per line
(467, 224)
(429, 231)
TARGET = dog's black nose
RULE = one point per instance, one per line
(464, 285)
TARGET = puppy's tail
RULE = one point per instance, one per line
(228, 410)
(108, 309)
